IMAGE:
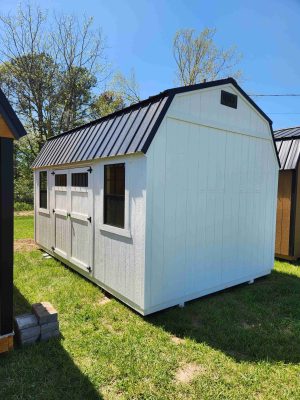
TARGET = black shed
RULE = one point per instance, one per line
(10, 129)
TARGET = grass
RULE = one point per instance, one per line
(23, 227)
(242, 343)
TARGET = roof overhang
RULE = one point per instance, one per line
(10, 125)
(55, 152)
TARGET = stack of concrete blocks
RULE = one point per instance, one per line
(47, 318)
(27, 329)
(41, 325)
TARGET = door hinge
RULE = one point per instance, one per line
(52, 173)
(52, 248)
(53, 210)
(89, 269)
(90, 170)
(89, 219)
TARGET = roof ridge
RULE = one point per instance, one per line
(166, 92)
(284, 129)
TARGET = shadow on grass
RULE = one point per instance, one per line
(254, 323)
(42, 371)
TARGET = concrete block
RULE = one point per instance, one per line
(50, 327)
(44, 312)
(28, 341)
(49, 335)
(29, 333)
(25, 321)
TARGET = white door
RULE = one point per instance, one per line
(73, 216)
(60, 212)
(81, 218)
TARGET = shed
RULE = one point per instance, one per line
(288, 204)
(10, 129)
(166, 200)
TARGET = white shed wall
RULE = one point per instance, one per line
(211, 199)
(118, 255)
(120, 260)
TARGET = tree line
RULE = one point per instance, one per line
(54, 70)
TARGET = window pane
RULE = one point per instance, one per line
(60, 179)
(80, 179)
(43, 189)
(114, 211)
(114, 195)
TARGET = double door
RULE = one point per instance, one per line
(72, 212)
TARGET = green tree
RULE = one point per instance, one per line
(50, 67)
(107, 103)
(198, 58)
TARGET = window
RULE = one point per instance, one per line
(228, 99)
(60, 179)
(43, 190)
(80, 179)
(114, 195)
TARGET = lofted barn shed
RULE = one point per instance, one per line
(164, 201)
(288, 205)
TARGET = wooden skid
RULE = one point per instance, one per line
(6, 343)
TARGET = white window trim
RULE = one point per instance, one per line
(41, 209)
(117, 231)
(125, 232)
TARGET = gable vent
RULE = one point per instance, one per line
(229, 99)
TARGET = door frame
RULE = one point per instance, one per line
(76, 216)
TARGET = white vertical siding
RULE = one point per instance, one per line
(119, 260)
(211, 198)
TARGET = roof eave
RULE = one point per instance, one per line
(11, 117)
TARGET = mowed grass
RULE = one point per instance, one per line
(23, 227)
(243, 343)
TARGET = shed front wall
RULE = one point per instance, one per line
(211, 200)
(118, 255)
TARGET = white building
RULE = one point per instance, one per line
(164, 201)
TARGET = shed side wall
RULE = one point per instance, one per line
(283, 215)
(297, 216)
(211, 207)
(118, 260)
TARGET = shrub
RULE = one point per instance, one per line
(22, 206)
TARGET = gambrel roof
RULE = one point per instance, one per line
(130, 130)
(288, 147)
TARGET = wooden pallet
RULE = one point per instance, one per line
(6, 343)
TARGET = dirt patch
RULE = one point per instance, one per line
(25, 245)
(104, 301)
(177, 340)
(187, 372)
(24, 213)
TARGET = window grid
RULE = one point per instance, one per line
(60, 179)
(80, 179)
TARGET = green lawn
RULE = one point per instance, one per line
(23, 227)
(243, 343)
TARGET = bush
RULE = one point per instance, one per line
(21, 206)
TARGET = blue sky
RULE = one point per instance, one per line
(139, 34)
